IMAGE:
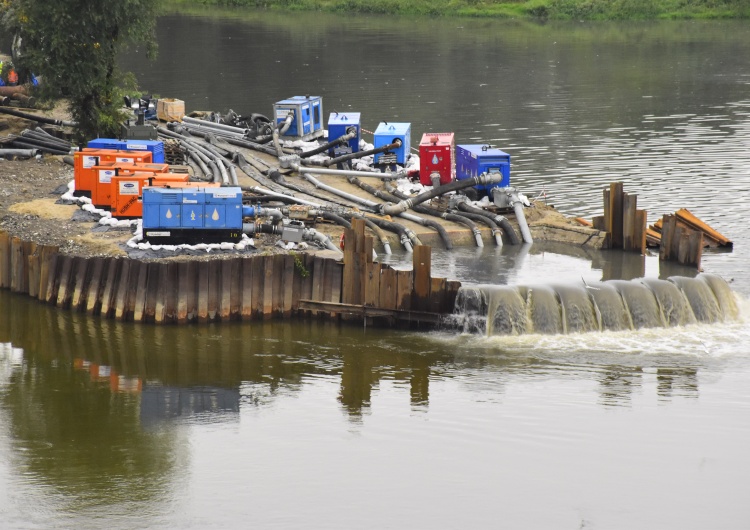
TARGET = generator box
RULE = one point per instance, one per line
(192, 215)
(126, 190)
(102, 195)
(436, 156)
(474, 159)
(388, 133)
(307, 112)
(85, 177)
(155, 147)
(340, 124)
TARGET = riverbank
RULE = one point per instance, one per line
(531, 9)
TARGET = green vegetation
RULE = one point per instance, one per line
(74, 48)
(540, 9)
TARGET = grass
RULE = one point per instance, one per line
(529, 9)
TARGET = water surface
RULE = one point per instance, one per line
(290, 425)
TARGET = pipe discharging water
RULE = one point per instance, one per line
(614, 305)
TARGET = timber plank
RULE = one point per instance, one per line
(111, 283)
(246, 287)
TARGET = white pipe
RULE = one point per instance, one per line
(346, 172)
(315, 182)
(521, 218)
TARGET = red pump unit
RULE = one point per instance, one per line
(436, 157)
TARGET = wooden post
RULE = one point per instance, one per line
(203, 291)
(34, 271)
(639, 231)
(615, 211)
(268, 286)
(629, 206)
(372, 285)
(4, 260)
(422, 266)
(80, 292)
(277, 307)
(111, 287)
(404, 290)
(92, 302)
(389, 288)
(288, 286)
(669, 223)
(225, 296)
(45, 263)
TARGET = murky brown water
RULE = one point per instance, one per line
(279, 425)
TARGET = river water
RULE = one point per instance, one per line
(289, 425)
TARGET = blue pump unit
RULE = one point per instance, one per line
(192, 215)
(339, 124)
(307, 122)
(387, 133)
(474, 159)
(155, 146)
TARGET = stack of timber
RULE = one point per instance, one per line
(237, 288)
(687, 221)
(624, 224)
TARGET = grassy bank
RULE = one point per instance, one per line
(540, 9)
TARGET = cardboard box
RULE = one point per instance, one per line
(170, 109)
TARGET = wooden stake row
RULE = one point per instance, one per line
(624, 223)
(237, 288)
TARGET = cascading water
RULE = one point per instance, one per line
(614, 305)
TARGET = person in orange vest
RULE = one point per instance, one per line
(12, 77)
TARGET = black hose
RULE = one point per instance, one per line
(391, 227)
(435, 192)
(499, 219)
(425, 210)
(482, 219)
(360, 154)
(34, 117)
(335, 218)
(325, 147)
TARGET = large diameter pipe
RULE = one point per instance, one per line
(212, 125)
(347, 172)
(521, 218)
(24, 153)
(483, 179)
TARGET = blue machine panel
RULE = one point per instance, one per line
(307, 112)
(156, 147)
(387, 133)
(339, 124)
(162, 195)
(192, 216)
(192, 208)
(474, 159)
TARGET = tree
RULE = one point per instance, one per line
(73, 45)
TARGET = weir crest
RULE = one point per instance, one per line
(614, 305)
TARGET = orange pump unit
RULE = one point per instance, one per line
(127, 190)
(84, 162)
(102, 195)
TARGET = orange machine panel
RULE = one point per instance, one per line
(127, 190)
(102, 195)
(84, 162)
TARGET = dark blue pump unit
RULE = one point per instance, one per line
(473, 160)
(192, 215)
(339, 124)
(155, 146)
(307, 112)
(386, 134)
